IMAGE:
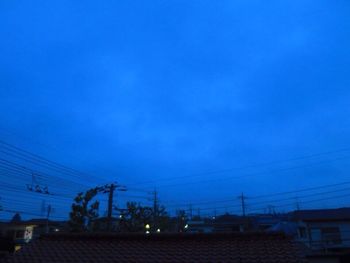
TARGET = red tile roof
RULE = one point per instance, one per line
(242, 248)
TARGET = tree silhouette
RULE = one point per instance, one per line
(16, 218)
(83, 213)
(135, 218)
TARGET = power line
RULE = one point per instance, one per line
(19, 153)
(35, 159)
(28, 213)
(304, 196)
(246, 167)
(237, 211)
(243, 205)
(33, 156)
(264, 196)
(6, 164)
(18, 174)
(301, 190)
(252, 174)
(311, 201)
(45, 166)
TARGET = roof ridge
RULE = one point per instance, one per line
(160, 236)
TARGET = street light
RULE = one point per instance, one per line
(147, 226)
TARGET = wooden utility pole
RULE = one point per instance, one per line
(191, 211)
(47, 218)
(271, 209)
(43, 208)
(297, 204)
(242, 198)
(155, 210)
(110, 189)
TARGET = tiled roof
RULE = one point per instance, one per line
(322, 214)
(242, 248)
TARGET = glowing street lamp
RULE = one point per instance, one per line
(147, 226)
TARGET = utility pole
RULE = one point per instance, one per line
(271, 209)
(191, 211)
(47, 218)
(110, 190)
(43, 208)
(155, 210)
(297, 204)
(242, 198)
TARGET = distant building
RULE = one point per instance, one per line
(286, 227)
(22, 232)
(199, 226)
(232, 224)
(7, 246)
(264, 222)
(221, 224)
(324, 229)
(19, 232)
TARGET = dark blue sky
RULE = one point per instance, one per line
(140, 91)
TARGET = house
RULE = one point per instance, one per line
(264, 222)
(218, 247)
(199, 226)
(221, 224)
(44, 226)
(19, 232)
(22, 232)
(323, 229)
(6, 246)
(286, 227)
(232, 223)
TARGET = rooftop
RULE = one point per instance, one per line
(322, 214)
(241, 248)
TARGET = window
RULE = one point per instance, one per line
(331, 235)
(302, 232)
(20, 234)
(235, 228)
(10, 233)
